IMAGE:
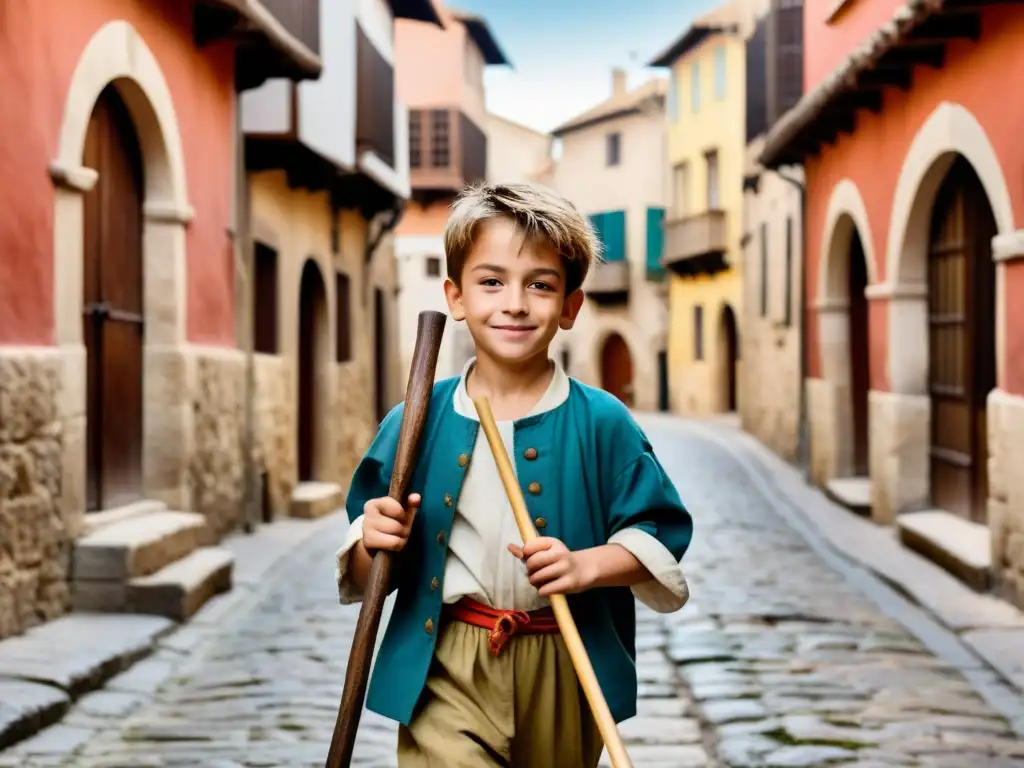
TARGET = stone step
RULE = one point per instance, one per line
(962, 547)
(311, 500)
(96, 520)
(137, 546)
(180, 589)
(854, 493)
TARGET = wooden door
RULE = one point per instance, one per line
(617, 369)
(312, 303)
(961, 328)
(380, 355)
(113, 325)
(860, 380)
(730, 354)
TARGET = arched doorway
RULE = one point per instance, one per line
(961, 336)
(112, 307)
(729, 356)
(859, 353)
(617, 368)
(312, 343)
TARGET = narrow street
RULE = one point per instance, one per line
(780, 659)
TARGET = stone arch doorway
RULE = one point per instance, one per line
(846, 272)
(116, 62)
(112, 299)
(314, 349)
(617, 368)
(728, 356)
(961, 341)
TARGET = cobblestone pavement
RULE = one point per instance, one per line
(778, 660)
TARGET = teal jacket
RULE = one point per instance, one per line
(592, 472)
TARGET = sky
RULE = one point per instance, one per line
(563, 51)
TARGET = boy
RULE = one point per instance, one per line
(471, 664)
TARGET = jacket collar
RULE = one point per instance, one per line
(556, 394)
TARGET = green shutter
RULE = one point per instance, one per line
(655, 242)
(615, 235)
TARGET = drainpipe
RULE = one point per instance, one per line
(803, 431)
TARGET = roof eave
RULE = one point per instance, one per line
(484, 39)
(416, 10)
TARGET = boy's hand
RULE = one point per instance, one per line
(386, 525)
(553, 568)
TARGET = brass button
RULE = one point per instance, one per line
(434, 584)
(530, 453)
(429, 626)
(534, 488)
(440, 538)
(463, 459)
(448, 500)
(541, 522)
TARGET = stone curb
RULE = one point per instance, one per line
(128, 655)
(946, 615)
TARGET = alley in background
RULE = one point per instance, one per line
(780, 659)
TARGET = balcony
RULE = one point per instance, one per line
(607, 283)
(696, 244)
(447, 152)
(276, 38)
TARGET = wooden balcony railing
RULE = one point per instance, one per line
(375, 100)
(696, 243)
(608, 282)
(301, 18)
(447, 151)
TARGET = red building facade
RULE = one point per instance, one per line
(915, 326)
(119, 367)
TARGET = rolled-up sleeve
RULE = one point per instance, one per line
(647, 517)
(348, 593)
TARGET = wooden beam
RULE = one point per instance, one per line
(902, 57)
(943, 28)
(885, 78)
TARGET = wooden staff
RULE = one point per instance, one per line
(559, 604)
(417, 403)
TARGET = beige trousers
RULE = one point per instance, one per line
(522, 709)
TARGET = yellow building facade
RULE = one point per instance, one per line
(703, 225)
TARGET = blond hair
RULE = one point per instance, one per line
(539, 213)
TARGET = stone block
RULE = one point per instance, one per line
(900, 434)
(30, 385)
(314, 500)
(958, 545)
(137, 546)
(180, 589)
(26, 707)
(1006, 494)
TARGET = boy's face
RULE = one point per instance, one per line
(513, 294)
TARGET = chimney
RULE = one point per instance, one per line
(618, 81)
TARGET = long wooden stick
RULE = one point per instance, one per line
(559, 604)
(414, 415)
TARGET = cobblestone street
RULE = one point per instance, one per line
(780, 659)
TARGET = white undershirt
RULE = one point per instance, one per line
(478, 563)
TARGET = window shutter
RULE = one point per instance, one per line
(786, 57)
(757, 106)
(655, 241)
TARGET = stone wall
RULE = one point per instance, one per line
(770, 400)
(355, 421)
(823, 430)
(274, 450)
(215, 465)
(35, 531)
(1006, 494)
(899, 435)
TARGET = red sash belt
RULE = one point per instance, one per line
(502, 624)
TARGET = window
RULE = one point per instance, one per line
(788, 319)
(433, 266)
(720, 72)
(680, 190)
(440, 148)
(695, 87)
(673, 97)
(343, 319)
(415, 138)
(698, 332)
(764, 269)
(613, 149)
(712, 161)
(264, 300)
